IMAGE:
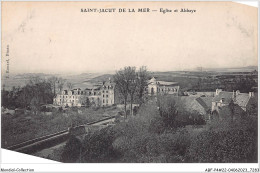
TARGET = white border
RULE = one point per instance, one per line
(13, 160)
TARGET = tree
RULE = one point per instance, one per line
(34, 80)
(35, 105)
(61, 83)
(87, 102)
(123, 78)
(72, 150)
(53, 80)
(132, 86)
(70, 85)
(168, 111)
(142, 82)
(232, 109)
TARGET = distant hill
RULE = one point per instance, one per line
(233, 69)
(86, 80)
(104, 77)
(20, 80)
(83, 80)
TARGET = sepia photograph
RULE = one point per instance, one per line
(130, 82)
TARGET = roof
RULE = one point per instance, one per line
(227, 96)
(225, 111)
(205, 102)
(166, 83)
(162, 83)
(242, 99)
(77, 89)
(153, 79)
(190, 104)
(93, 88)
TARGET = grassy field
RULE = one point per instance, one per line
(21, 127)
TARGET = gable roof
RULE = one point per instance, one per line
(242, 99)
(226, 112)
(227, 96)
(190, 104)
(205, 102)
(164, 83)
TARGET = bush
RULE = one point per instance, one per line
(71, 151)
(148, 147)
(173, 116)
(224, 146)
(98, 147)
(229, 141)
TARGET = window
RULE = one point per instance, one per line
(103, 95)
(107, 101)
(103, 101)
(107, 95)
(106, 91)
(94, 93)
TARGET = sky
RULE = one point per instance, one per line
(56, 37)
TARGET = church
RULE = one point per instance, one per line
(162, 87)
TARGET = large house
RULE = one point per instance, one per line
(161, 87)
(102, 95)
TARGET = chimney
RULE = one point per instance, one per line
(218, 91)
(251, 94)
(234, 96)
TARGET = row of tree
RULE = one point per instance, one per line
(36, 92)
(131, 83)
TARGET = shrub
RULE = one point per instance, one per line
(71, 150)
(98, 147)
(233, 141)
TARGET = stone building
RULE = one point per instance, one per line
(108, 93)
(69, 98)
(241, 102)
(161, 87)
(102, 95)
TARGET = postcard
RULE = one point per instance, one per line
(130, 82)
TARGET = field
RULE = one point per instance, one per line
(25, 126)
